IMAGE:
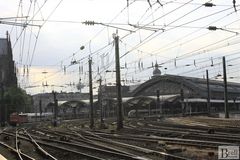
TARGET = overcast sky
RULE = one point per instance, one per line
(172, 33)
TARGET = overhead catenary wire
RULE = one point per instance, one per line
(30, 38)
(39, 10)
(20, 1)
(190, 33)
(35, 45)
(24, 25)
(101, 52)
(200, 68)
(209, 65)
(190, 40)
(92, 38)
(149, 39)
(155, 34)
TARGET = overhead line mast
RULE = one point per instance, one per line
(118, 84)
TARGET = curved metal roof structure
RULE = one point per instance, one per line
(72, 104)
(192, 87)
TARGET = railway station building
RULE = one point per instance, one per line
(173, 94)
(162, 94)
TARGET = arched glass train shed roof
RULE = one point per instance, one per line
(170, 86)
(192, 87)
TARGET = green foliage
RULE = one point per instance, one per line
(17, 100)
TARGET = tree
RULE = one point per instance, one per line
(17, 100)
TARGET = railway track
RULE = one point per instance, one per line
(150, 135)
(17, 146)
(161, 129)
(45, 154)
(188, 134)
(200, 125)
(96, 137)
(138, 152)
(167, 140)
(58, 149)
(87, 151)
(16, 151)
(74, 136)
(125, 138)
(139, 140)
(201, 130)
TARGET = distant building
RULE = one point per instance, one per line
(111, 91)
(7, 67)
(47, 98)
(178, 95)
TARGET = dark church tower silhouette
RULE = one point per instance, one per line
(7, 66)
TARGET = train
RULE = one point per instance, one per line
(20, 118)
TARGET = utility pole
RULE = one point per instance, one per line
(55, 109)
(91, 93)
(118, 85)
(100, 102)
(40, 108)
(2, 106)
(208, 94)
(225, 89)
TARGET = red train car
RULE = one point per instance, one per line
(16, 118)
